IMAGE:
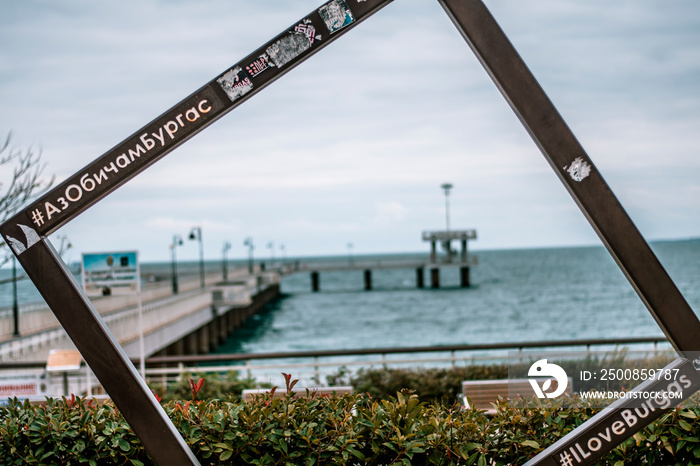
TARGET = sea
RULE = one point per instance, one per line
(515, 295)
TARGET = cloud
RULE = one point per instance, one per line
(366, 128)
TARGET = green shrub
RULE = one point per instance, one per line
(444, 385)
(219, 385)
(348, 430)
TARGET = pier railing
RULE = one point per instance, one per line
(311, 367)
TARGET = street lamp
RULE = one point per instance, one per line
(271, 247)
(249, 242)
(227, 246)
(196, 234)
(447, 187)
(177, 241)
(284, 253)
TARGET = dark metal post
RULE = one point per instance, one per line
(249, 242)
(102, 353)
(419, 277)
(464, 276)
(602, 209)
(575, 169)
(435, 277)
(196, 234)
(368, 280)
(227, 246)
(177, 241)
(15, 303)
(315, 286)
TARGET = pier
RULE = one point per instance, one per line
(193, 321)
(434, 264)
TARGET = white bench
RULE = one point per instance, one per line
(484, 392)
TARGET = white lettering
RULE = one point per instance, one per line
(628, 417)
(685, 381)
(585, 454)
(87, 183)
(644, 413)
(50, 209)
(169, 130)
(100, 177)
(74, 187)
(160, 136)
(201, 107)
(137, 154)
(193, 113)
(594, 444)
(606, 436)
(618, 428)
(64, 204)
(179, 120)
(147, 142)
(573, 452)
(123, 161)
(111, 168)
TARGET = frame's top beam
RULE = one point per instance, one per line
(147, 145)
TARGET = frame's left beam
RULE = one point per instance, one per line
(105, 356)
(26, 231)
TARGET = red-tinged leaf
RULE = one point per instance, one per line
(154, 394)
(294, 382)
(200, 384)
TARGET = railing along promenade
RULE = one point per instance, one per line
(311, 366)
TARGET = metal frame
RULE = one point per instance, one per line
(26, 232)
(607, 217)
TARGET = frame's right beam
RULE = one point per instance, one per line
(600, 434)
(574, 168)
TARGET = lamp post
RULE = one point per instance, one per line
(177, 241)
(284, 254)
(196, 234)
(249, 242)
(271, 247)
(447, 187)
(227, 246)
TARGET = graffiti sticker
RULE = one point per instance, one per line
(336, 14)
(235, 83)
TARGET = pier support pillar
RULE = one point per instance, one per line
(315, 286)
(213, 330)
(191, 346)
(435, 277)
(203, 340)
(419, 278)
(223, 328)
(368, 280)
(464, 277)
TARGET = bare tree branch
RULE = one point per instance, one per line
(23, 182)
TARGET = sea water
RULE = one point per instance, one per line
(516, 295)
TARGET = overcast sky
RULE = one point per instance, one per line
(352, 145)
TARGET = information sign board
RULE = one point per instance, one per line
(113, 273)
